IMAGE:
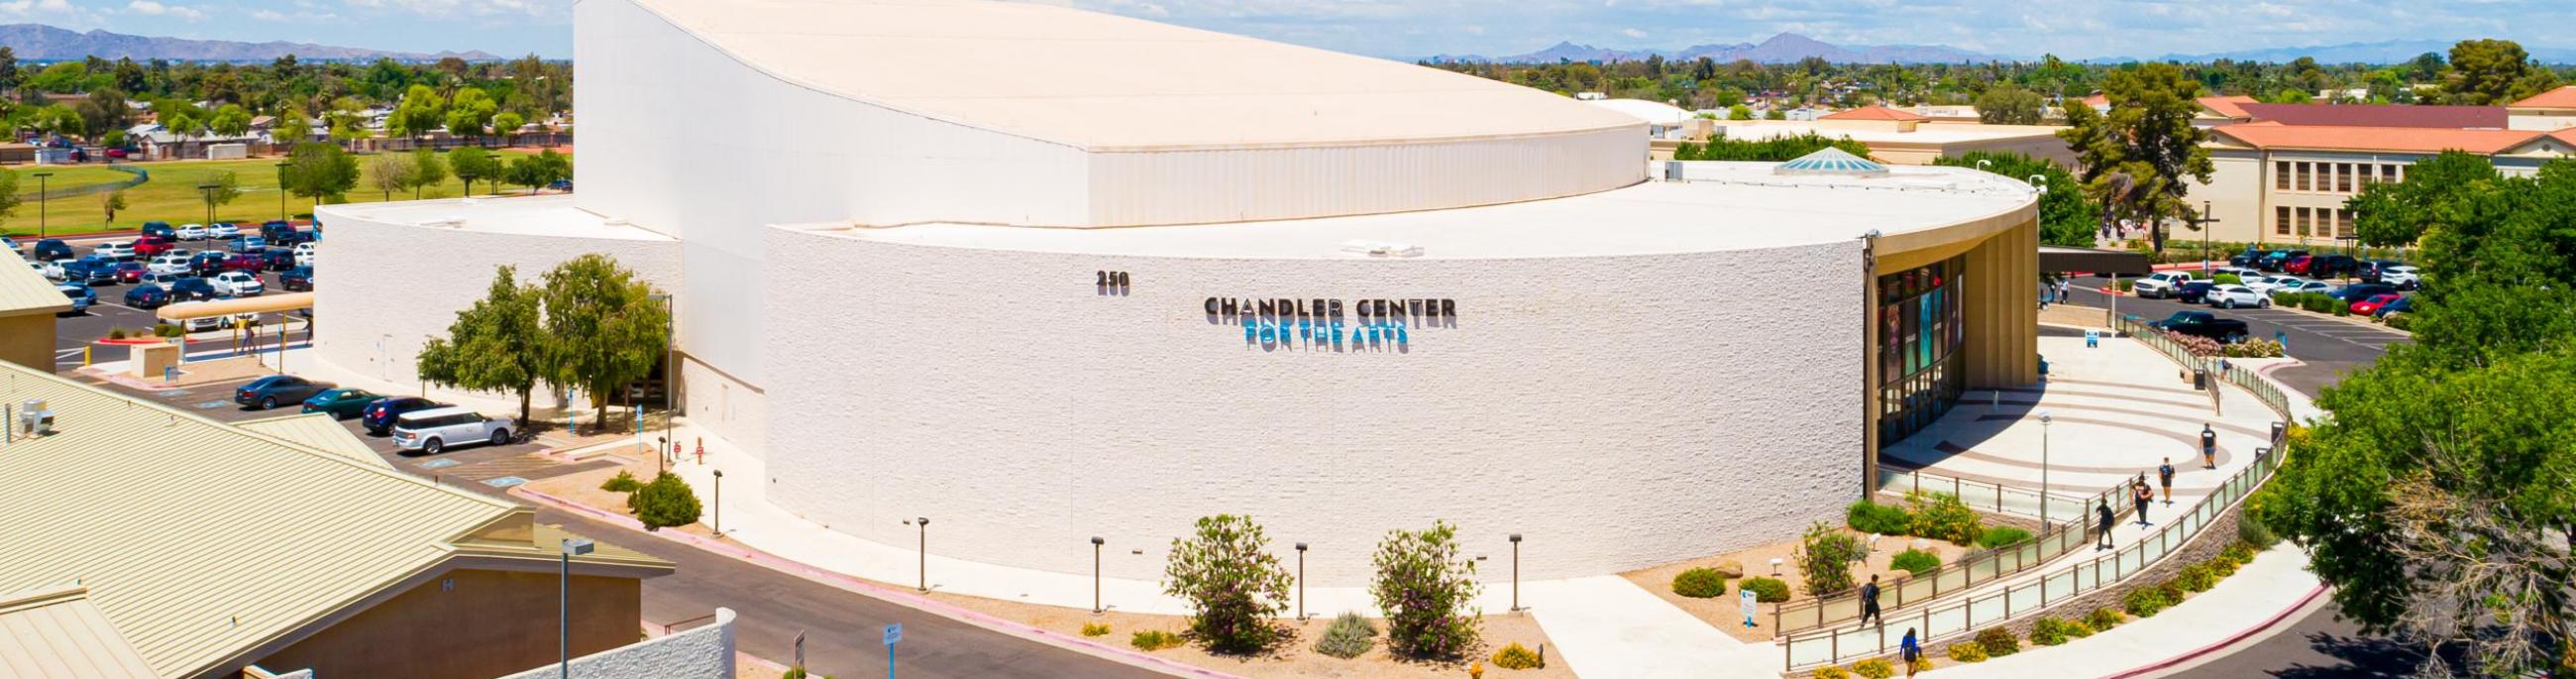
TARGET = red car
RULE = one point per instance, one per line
(2368, 306)
(2297, 265)
(148, 246)
(130, 272)
(252, 263)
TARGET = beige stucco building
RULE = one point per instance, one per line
(1906, 138)
(28, 304)
(2274, 183)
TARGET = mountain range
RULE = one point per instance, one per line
(40, 42)
(2383, 52)
(1779, 49)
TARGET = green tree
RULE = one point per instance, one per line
(320, 172)
(499, 344)
(2493, 73)
(390, 172)
(291, 127)
(1739, 112)
(472, 163)
(606, 327)
(1427, 591)
(219, 190)
(2437, 191)
(426, 170)
(1775, 149)
(470, 112)
(112, 201)
(1825, 556)
(2066, 215)
(104, 111)
(2009, 104)
(1233, 584)
(9, 198)
(420, 112)
(229, 121)
(507, 124)
(536, 171)
(2136, 158)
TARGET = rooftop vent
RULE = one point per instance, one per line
(1832, 161)
(1374, 248)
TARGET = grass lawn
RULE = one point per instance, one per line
(172, 195)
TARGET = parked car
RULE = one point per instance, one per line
(435, 430)
(160, 230)
(2297, 264)
(200, 323)
(246, 262)
(130, 272)
(296, 279)
(379, 416)
(304, 253)
(222, 230)
(147, 296)
(150, 246)
(238, 283)
(51, 249)
(266, 392)
(2274, 260)
(2371, 305)
(161, 279)
(168, 264)
(112, 249)
(2404, 277)
(192, 290)
(82, 297)
(2193, 292)
(2239, 272)
(2404, 304)
(2319, 287)
(281, 233)
(2246, 259)
(2266, 284)
(279, 259)
(2369, 269)
(193, 232)
(207, 263)
(342, 403)
(2203, 324)
(2161, 284)
(2360, 291)
(90, 270)
(245, 243)
(2338, 266)
(2235, 296)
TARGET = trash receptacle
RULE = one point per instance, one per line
(2200, 379)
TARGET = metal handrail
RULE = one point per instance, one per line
(1969, 571)
(2004, 499)
(1936, 623)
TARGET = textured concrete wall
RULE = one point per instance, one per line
(393, 286)
(28, 340)
(466, 623)
(702, 653)
(1619, 412)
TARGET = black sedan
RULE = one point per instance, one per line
(146, 296)
(266, 392)
(379, 416)
(298, 278)
(2193, 292)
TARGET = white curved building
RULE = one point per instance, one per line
(1045, 274)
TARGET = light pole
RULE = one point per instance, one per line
(572, 547)
(2043, 472)
(281, 190)
(670, 373)
(40, 203)
(719, 503)
(1095, 574)
(1516, 570)
(1301, 581)
(207, 191)
(922, 550)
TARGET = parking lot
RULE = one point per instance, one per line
(2328, 345)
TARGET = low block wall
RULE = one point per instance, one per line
(702, 653)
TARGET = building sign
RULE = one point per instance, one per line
(1320, 324)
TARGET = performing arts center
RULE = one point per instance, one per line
(1045, 274)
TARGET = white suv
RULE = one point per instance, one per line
(238, 284)
(192, 232)
(114, 250)
(304, 253)
(168, 264)
(433, 430)
(2161, 284)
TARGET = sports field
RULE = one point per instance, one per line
(172, 195)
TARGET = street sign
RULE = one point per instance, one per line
(1746, 596)
(893, 633)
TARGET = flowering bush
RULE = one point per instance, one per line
(1425, 588)
(1999, 642)
(2254, 348)
(2195, 344)
(1967, 652)
(1874, 668)
(1233, 584)
(1941, 516)
(1514, 656)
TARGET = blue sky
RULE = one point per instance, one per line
(1411, 28)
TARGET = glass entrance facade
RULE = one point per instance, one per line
(1918, 338)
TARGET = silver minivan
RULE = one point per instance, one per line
(435, 430)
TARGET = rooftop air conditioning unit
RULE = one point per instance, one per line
(34, 418)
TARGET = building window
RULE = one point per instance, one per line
(2281, 221)
(2304, 216)
(1919, 336)
(2343, 223)
(2307, 177)
(2343, 177)
(2280, 175)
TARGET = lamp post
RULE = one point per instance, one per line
(719, 503)
(921, 549)
(468, 178)
(1516, 572)
(1096, 542)
(207, 192)
(670, 372)
(1301, 581)
(281, 190)
(40, 203)
(2043, 472)
(572, 547)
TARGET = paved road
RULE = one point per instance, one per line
(2329, 346)
(2315, 647)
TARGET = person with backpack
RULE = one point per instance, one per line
(2102, 524)
(2164, 474)
(2138, 490)
(1869, 602)
(2208, 447)
(1910, 651)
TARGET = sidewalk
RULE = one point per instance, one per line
(2240, 605)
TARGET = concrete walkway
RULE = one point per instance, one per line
(1608, 627)
(2253, 599)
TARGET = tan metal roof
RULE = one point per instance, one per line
(238, 305)
(200, 541)
(58, 632)
(23, 291)
(320, 431)
(1105, 82)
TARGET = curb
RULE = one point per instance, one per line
(2231, 639)
(853, 585)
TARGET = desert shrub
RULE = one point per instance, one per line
(2240, 553)
(1941, 516)
(2195, 578)
(1998, 642)
(168, 330)
(1154, 640)
(1233, 583)
(2195, 344)
(1967, 653)
(2172, 591)
(1870, 517)
(1514, 656)
(116, 333)
(1349, 636)
(1920, 665)
(2253, 348)
(1825, 557)
(623, 482)
(2048, 631)
(2252, 531)
(1915, 561)
(1830, 672)
(2221, 566)
(2144, 602)
(1874, 668)
(2078, 629)
(799, 673)
(2343, 309)
(2103, 618)
(2227, 279)
(1766, 590)
(1427, 591)
(1700, 583)
(1095, 629)
(2319, 303)
(2400, 322)
(2002, 536)
(664, 503)
(2128, 285)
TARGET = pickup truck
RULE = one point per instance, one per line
(2161, 284)
(2204, 324)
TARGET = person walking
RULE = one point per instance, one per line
(2138, 490)
(2164, 474)
(2102, 520)
(2208, 447)
(1910, 651)
(1869, 602)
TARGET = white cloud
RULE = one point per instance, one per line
(453, 8)
(1631, 32)
(299, 16)
(151, 8)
